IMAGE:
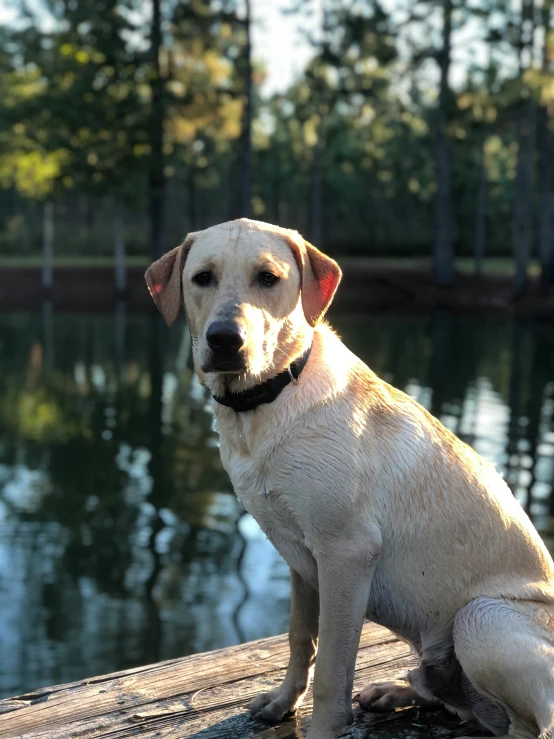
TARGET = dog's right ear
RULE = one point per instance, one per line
(164, 280)
(319, 275)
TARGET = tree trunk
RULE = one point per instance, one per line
(246, 133)
(481, 212)
(523, 214)
(157, 175)
(316, 191)
(315, 208)
(546, 186)
(47, 245)
(191, 187)
(546, 202)
(119, 250)
(276, 197)
(443, 252)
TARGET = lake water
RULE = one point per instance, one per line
(121, 542)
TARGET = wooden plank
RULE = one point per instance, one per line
(204, 696)
(164, 680)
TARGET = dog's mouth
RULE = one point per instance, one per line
(225, 364)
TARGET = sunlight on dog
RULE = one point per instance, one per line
(379, 510)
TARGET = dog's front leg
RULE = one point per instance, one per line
(344, 575)
(304, 612)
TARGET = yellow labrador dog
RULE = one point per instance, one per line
(379, 510)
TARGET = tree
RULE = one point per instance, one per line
(344, 83)
(205, 106)
(546, 172)
(484, 115)
(25, 163)
(523, 212)
(75, 107)
(477, 112)
(156, 131)
(318, 77)
(443, 248)
(160, 116)
(246, 132)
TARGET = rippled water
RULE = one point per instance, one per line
(121, 542)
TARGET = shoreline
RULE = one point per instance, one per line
(365, 288)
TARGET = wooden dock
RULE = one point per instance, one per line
(207, 696)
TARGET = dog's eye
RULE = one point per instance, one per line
(267, 279)
(203, 279)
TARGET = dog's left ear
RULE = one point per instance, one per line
(319, 275)
(164, 280)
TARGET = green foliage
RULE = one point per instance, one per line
(75, 117)
(88, 104)
(33, 172)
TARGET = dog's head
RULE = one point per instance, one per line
(251, 292)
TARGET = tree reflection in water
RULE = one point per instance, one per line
(121, 542)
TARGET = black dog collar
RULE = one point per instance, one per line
(267, 391)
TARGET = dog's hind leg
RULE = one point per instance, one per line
(506, 650)
(438, 681)
(391, 695)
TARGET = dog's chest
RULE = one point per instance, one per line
(269, 498)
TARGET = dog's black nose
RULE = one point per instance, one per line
(225, 336)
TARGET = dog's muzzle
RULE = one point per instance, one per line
(225, 339)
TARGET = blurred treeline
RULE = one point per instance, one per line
(417, 127)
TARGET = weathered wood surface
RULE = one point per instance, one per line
(207, 696)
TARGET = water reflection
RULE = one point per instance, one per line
(120, 540)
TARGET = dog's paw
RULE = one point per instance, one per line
(388, 696)
(272, 707)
